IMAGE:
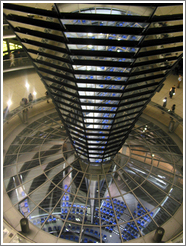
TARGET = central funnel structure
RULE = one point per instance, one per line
(101, 65)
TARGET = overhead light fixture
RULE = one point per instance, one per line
(90, 46)
(90, 34)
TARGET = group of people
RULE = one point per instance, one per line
(165, 104)
(23, 103)
(24, 100)
(172, 92)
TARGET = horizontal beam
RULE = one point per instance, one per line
(26, 9)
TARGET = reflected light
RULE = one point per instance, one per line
(90, 34)
(9, 103)
(34, 93)
(90, 46)
(27, 85)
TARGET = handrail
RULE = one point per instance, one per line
(19, 109)
(7, 32)
(20, 63)
(176, 238)
(178, 118)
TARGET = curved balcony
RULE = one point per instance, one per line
(20, 63)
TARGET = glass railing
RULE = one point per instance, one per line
(18, 110)
(178, 118)
(19, 63)
(7, 31)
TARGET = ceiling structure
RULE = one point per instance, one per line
(100, 63)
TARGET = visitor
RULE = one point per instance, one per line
(12, 60)
(172, 91)
(165, 102)
(30, 99)
(179, 80)
(23, 103)
(173, 108)
(47, 96)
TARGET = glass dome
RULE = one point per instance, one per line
(124, 199)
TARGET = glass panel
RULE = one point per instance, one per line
(55, 164)
(41, 192)
(11, 159)
(36, 216)
(157, 194)
(161, 216)
(52, 198)
(35, 173)
(9, 171)
(176, 193)
(27, 186)
(27, 165)
(178, 180)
